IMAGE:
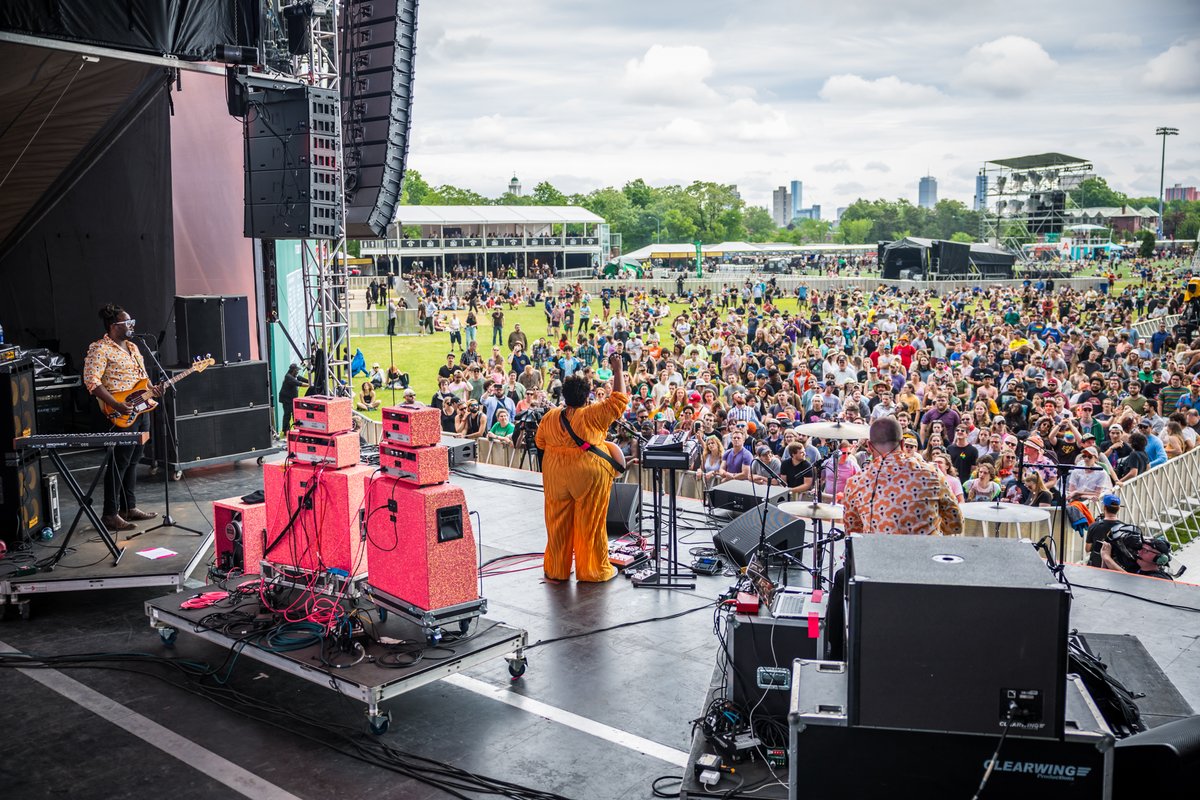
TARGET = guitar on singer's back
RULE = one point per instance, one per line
(140, 398)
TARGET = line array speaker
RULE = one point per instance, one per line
(292, 185)
(379, 44)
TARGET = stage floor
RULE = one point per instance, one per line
(593, 718)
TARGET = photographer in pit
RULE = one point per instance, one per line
(1098, 532)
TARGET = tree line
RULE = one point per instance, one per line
(713, 212)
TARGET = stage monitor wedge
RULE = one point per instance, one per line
(378, 52)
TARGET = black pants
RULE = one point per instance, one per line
(286, 404)
(120, 480)
(391, 330)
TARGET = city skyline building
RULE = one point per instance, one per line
(1178, 192)
(781, 206)
(927, 192)
(981, 187)
(796, 190)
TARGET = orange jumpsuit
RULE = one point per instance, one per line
(577, 485)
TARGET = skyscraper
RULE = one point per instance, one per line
(781, 206)
(927, 192)
(797, 193)
(981, 184)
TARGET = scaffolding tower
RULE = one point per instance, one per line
(323, 261)
(1028, 196)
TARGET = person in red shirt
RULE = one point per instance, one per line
(906, 352)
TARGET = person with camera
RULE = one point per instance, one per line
(1137, 554)
(1098, 532)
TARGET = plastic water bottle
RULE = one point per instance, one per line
(47, 533)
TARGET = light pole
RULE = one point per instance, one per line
(1162, 171)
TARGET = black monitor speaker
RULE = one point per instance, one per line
(738, 540)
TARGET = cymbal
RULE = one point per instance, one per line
(1003, 512)
(833, 430)
(810, 510)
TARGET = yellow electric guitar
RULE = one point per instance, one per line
(140, 398)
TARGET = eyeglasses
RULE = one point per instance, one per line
(128, 323)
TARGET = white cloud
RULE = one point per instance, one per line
(837, 165)
(1176, 71)
(670, 76)
(682, 130)
(889, 90)
(1107, 42)
(878, 166)
(1010, 66)
(756, 122)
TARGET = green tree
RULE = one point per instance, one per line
(1095, 192)
(446, 195)
(1189, 226)
(544, 194)
(960, 236)
(1146, 248)
(811, 230)
(854, 231)
(712, 204)
(639, 193)
(414, 189)
(759, 225)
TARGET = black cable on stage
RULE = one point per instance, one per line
(630, 624)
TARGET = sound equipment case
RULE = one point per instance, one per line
(830, 757)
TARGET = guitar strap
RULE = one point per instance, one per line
(587, 446)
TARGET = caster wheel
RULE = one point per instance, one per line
(259, 460)
(516, 667)
(379, 723)
(168, 636)
(433, 637)
(177, 475)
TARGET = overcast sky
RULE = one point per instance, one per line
(856, 98)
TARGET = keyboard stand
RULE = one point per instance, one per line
(85, 506)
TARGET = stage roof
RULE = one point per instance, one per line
(497, 215)
(1039, 161)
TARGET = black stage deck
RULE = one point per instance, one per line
(594, 718)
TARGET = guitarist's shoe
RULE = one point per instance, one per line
(137, 515)
(117, 523)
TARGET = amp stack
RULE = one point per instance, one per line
(419, 540)
(314, 499)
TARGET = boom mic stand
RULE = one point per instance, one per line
(167, 520)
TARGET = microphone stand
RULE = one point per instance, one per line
(167, 520)
(640, 438)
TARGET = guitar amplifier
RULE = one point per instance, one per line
(319, 412)
(416, 466)
(314, 518)
(421, 545)
(411, 425)
(239, 534)
(335, 450)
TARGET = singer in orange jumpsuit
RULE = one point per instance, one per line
(577, 483)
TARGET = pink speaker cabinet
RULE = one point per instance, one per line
(418, 466)
(239, 533)
(421, 547)
(412, 426)
(335, 450)
(319, 412)
(314, 517)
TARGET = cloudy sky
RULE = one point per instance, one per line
(857, 98)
